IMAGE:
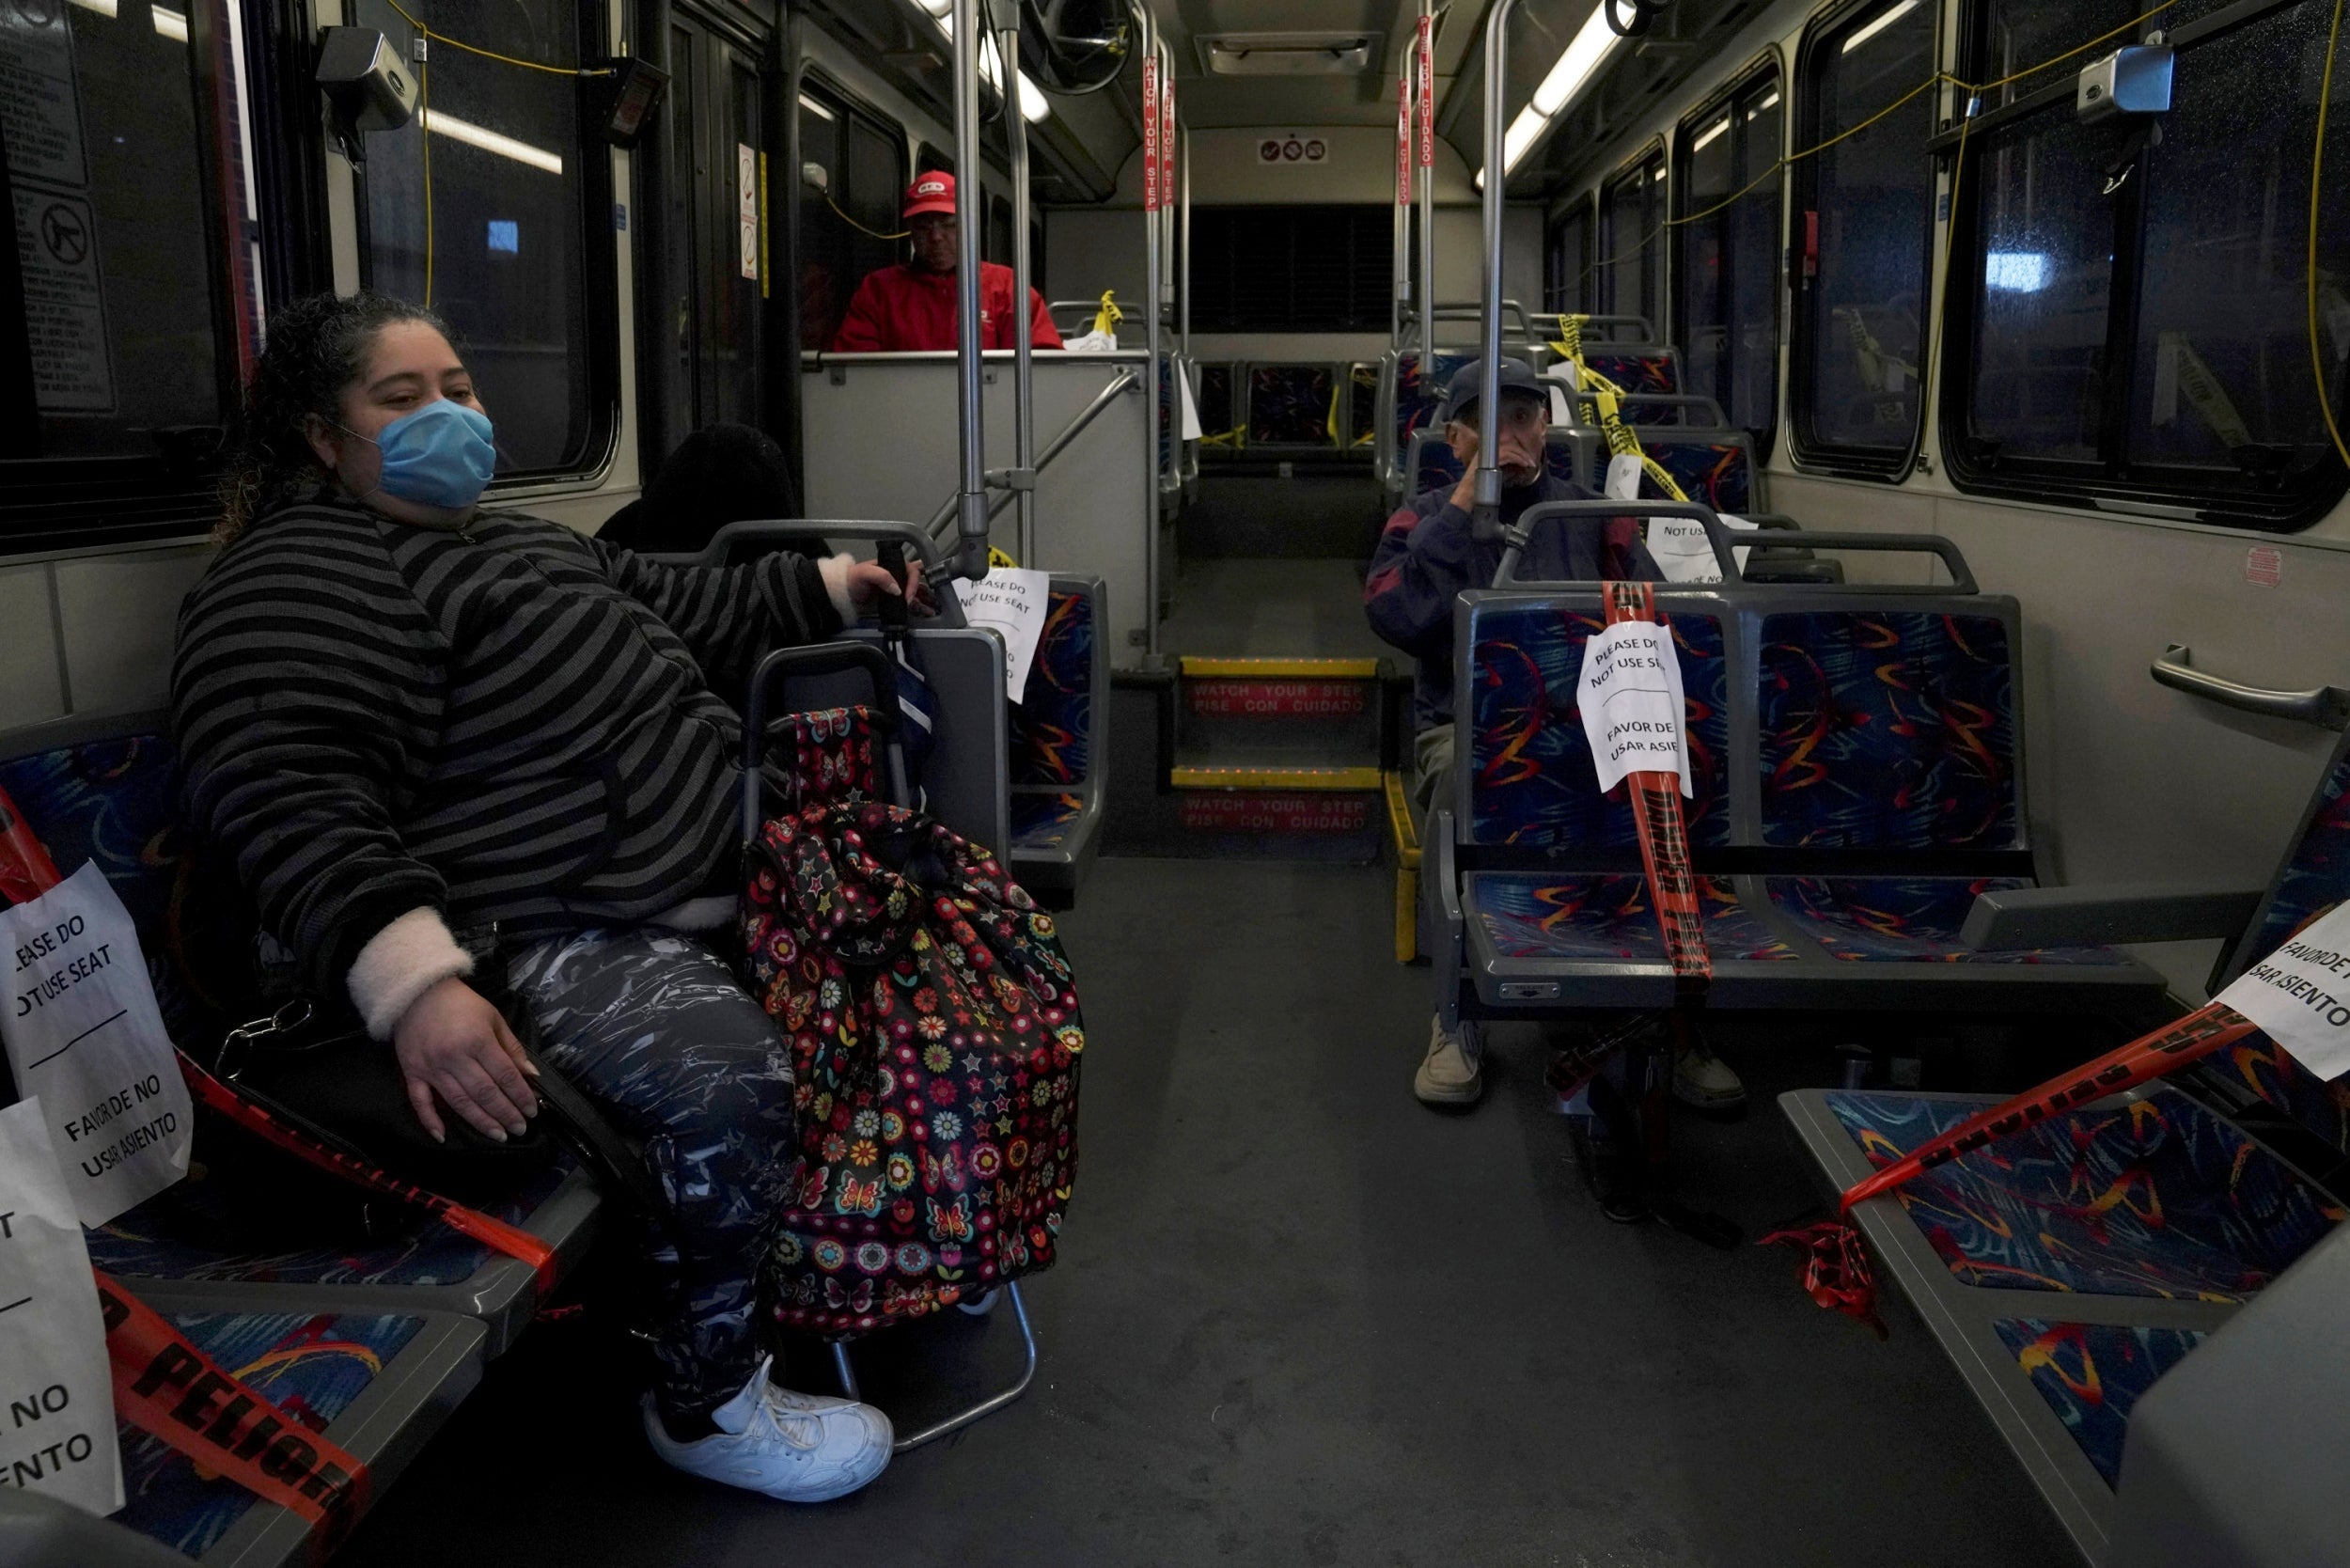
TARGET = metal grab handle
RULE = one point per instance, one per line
(749, 540)
(816, 658)
(2328, 706)
(1716, 533)
(1962, 575)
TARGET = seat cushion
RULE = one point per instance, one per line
(1887, 730)
(2152, 1197)
(1052, 724)
(1044, 823)
(1888, 919)
(1604, 919)
(2094, 1374)
(1532, 779)
(311, 1365)
(1419, 397)
(208, 1228)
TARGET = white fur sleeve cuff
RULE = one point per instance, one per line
(835, 574)
(401, 963)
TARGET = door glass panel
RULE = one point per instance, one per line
(1873, 191)
(127, 310)
(499, 246)
(680, 225)
(737, 340)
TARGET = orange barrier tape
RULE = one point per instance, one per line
(1836, 1266)
(1664, 836)
(492, 1233)
(26, 869)
(166, 1387)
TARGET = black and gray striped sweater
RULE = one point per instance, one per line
(513, 722)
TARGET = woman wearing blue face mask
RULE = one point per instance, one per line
(409, 719)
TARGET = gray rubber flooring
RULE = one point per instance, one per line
(1234, 606)
(1299, 1319)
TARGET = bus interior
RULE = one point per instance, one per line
(1973, 371)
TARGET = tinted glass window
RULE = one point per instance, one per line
(1293, 268)
(1567, 261)
(1727, 275)
(1631, 242)
(1859, 317)
(482, 208)
(845, 221)
(2221, 380)
(129, 304)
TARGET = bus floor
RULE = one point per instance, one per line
(1269, 606)
(1300, 1319)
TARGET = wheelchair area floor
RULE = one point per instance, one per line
(1301, 1319)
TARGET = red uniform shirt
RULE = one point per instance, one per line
(900, 309)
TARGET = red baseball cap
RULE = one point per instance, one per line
(933, 192)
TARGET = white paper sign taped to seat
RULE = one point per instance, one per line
(1623, 477)
(1631, 701)
(1684, 552)
(84, 1033)
(58, 1436)
(2301, 995)
(1011, 604)
(1188, 426)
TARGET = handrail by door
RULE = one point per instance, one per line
(2328, 707)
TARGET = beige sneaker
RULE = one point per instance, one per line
(1704, 1081)
(1452, 1073)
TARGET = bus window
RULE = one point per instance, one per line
(1293, 268)
(846, 221)
(1567, 260)
(2136, 310)
(128, 314)
(997, 245)
(1631, 248)
(1858, 320)
(502, 248)
(1727, 262)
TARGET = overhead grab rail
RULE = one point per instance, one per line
(2328, 707)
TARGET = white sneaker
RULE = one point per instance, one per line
(1452, 1073)
(1704, 1081)
(798, 1448)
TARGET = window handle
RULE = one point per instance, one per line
(2328, 707)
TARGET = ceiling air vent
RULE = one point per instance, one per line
(1288, 54)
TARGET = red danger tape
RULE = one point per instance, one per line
(1836, 1266)
(168, 1388)
(1672, 884)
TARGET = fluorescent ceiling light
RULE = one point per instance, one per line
(1582, 59)
(1874, 28)
(171, 23)
(489, 141)
(1770, 102)
(1529, 125)
(1721, 129)
(1034, 105)
(938, 8)
(104, 8)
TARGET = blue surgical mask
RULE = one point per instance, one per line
(440, 456)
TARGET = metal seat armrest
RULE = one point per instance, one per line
(2017, 918)
(1442, 880)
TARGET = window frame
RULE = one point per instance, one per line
(1810, 452)
(1585, 207)
(1650, 153)
(600, 283)
(1767, 67)
(54, 506)
(2111, 478)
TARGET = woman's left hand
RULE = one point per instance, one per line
(869, 579)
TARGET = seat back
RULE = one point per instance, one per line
(1054, 724)
(1636, 369)
(2313, 876)
(1887, 727)
(1527, 777)
(1570, 453)
(1288, 405)
(1714, 468)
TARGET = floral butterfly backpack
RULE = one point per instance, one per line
(935, 1038)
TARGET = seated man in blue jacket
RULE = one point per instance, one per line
(1426, 555)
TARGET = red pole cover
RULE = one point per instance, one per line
(1151, 134)
(1404, 138)
(1427, 94)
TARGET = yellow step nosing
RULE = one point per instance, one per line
(1197, 668)
(1274, 778)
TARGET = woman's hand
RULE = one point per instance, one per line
(868, 579)
(452, 1044)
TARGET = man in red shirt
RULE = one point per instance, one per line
(912, 306)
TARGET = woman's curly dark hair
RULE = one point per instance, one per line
(315, 348)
